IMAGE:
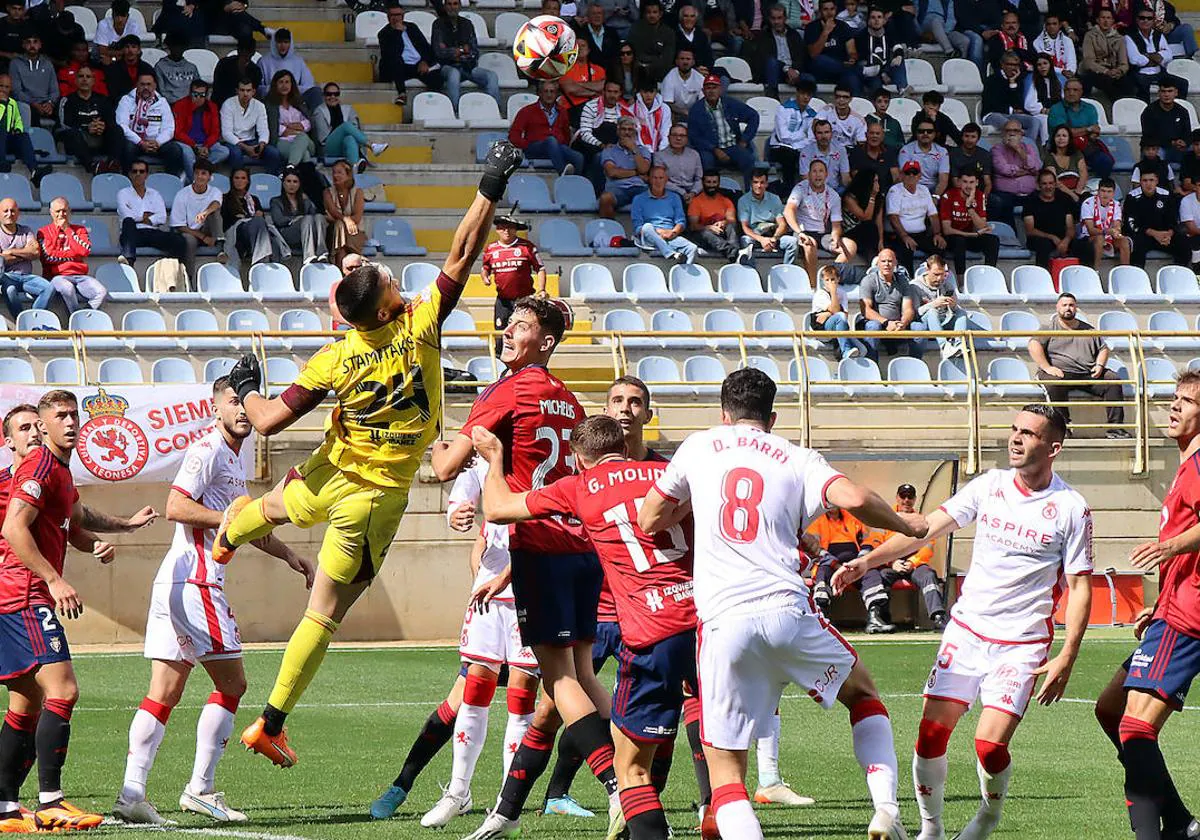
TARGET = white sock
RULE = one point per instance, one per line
(992, 790)
(518, 725)
(212, 734)
(470, 730)
(145, 734)
(766, 753)
(929, 782)
(876, 752)
(736, 821)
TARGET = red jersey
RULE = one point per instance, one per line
(1179, 577)
(533, 414)
(512, 267)
(44, 482)
(606, 610)
(954, 209)
(650, 576)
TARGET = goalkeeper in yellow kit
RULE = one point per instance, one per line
(387, 377)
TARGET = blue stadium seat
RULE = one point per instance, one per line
(723, 320)
(146, 320)
(16, 187)
(167, 184)
(122, 283)
(531, 193)
(173, 294)
(915, 374)
(40, 320)
(645, 283)
(376, 196)
(1116, 319)
(1083, 282)
(1122, 371)
(1160, 377)
(302, 320)
(396, 239)
(461, 321)
(662, 375)
(593, 283)
(1010, 246)
(1130, 284)
(740, 283)
(280, 372)
(214, 369)
(418, 276)
(221, 181)
(984, 322)
(199, 320)
(484, 369)
(953, 377)
(272, 281)
(773, 320)
(672, 320)
(861, 377)
(217, 283)
(120, 371)
(94, 320)
(1018, 319)
(62, 372)
(691, 282)
(575, 194)
(985, 284)
(484, 141)
(1014, 371)
(316, 279)
(625, 321)
(172, 370)
(606, 229)
(816, 372)
(1178, 284)
(250, 321)
(705, 374)
(64, 185)
(1170, 321)
(771, 368)
(102, 244)
(16, 372)
(1033, 284)
(264, 187)
(44, 148)
(560, 238)
(1123, 158)
(789, 283)
(105, 188)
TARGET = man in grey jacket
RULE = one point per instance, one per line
(34, 82)
(175, 73)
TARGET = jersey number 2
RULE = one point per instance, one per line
(742, 493)
(399, 395)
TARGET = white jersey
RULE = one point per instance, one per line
(468, 489)
(1025, 545)
(760, 491)
(849, 130)
(213, 475)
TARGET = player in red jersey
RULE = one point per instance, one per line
(533, 413)
(651, 582)
(513, 264)
(1161, 669)
(43, 512)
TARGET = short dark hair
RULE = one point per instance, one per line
(549, 316)
(1058, 423)
(219, 385)
(820, 121)
(23, 408)
(627, 379)
(246, 80)
(881, 91)
(748, 394)
(1167, 82)
(647, 83)
(130, 41)
(358, 294)
(841, 88)
(120, 7)
(806, 86)
(932, 97)
(247, 44)
(972, 127)
(608, 82)
(203, 166)
(597, 436)
(199, 83)
(1067, 295)
(689, 50)
(283, 35)
(710, 173)
(1106, 182)
(56, 397)
(136, 161)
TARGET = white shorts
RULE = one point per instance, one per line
(1000, 675)
(745, 661)
(492, 638)
(190, 623)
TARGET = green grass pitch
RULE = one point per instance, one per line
(359, 717)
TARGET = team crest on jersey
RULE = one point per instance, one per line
(1050, 511)
(32, 488)
(111, 446)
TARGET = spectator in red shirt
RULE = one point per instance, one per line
(198, 138)
(964, 222)
(80, 57)
(513, 264)
(542, 130)
(64, 249)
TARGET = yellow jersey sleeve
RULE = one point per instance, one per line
(317, 374)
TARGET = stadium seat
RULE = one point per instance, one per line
(516, 102)
(16, 187)
(959, 76)
(815, 371)
(604, 230)
(662, 375)
(120, 371)
(206, 60)
(217, 283)
(1018, 320)
(1127, 115)
(1116, 319)
(914, 375)
(65, 185)
(199, 320)
(921, 76)
(860, 106)
(40, 320)
(480, 112)
(773, 320)
(484, 141)
(249, 321)
(593, 283)
(645, 283)
(86, 19)
(1190, 108)
(105, 188)
(1124, 160)
(61, 372)
(422, 20)
(97, 228)
(280, 372)
(741, 284)
(1032, 284)
(1010, 246)
(316, 279)
(214, 369)
(771, 368)
(1177, 284)
(507, 24)
(861, 378)
(121, 282)
(167, 184)
(367, 26)
(221, 181)
(560, 238)
(505, 68)
(461, 321)
(394, 236)
(1170, 321)
(766, 108)
(723, 320)
(691, 282)
(956, 110)
(985, 284)
(789, 283)
(739, 71)
(272, 281)
(705, 374)
(1130, 284)
(627, 321)
(953, 378)
(1160, 377)
(984, 322)
(264, 187)
(418, 276)
(575, 194)
(147, 320)
(302, 320)
(44, 148)
(94, 320)
(672, 320)
(171, 370)
(482, 36)
(484, 369)
(531, 193)
(1014, 376)
(904, 110)
(1083, 282)
(376, 195)
(434, 110)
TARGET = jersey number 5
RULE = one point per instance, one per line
(742, 493)
(620, 516)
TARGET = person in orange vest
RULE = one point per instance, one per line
(917, 568)
(842, 538)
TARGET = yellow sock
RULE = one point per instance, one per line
(251, 523)
(303, 656)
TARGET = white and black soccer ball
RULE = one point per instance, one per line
(544, 48)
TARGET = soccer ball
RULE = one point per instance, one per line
(545, 47)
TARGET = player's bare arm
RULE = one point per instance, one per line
(870, 509)
(107, 523)
(477, 549)
(896, 548)
(88, 542)
(483, 596)
(276, 547)
(185, 510)
(1151, 555)
(500, 504)
(448, 459)
(658, 513)
(1058, 669)
(18, 533)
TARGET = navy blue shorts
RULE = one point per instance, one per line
(1165, 663)
(30, 638)
(650, 687)
(556, 596)
(607, 643)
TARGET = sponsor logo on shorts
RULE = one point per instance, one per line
(56, 644)
(827, 680)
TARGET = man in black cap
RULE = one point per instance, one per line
(513, 264)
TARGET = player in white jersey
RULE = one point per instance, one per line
(759, 628)
(1033, 536)
(490, 638)
(190, 621)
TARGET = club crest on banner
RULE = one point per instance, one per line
(111, 446)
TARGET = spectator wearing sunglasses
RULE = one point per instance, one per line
(338, 130)
(198, 128)
(1150, 53)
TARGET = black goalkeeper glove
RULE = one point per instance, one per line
(245, 377)
(502, 160)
